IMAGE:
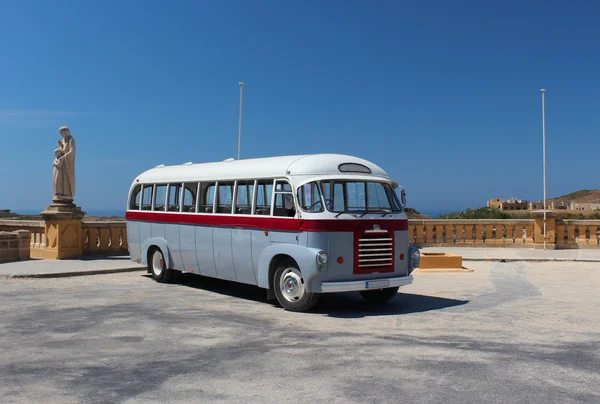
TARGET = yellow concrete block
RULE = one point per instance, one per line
(441, 262)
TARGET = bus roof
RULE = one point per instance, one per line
(270, 167)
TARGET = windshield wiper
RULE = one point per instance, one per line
(385, 212)
(344, 212)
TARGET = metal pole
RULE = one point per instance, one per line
(240, 123)
(544, 135)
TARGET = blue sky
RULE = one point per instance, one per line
(443, 95)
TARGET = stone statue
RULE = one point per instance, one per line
(63, 178)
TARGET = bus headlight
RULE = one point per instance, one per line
(322, 258)
(415, 257)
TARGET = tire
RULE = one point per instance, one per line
(379, 295)
(158, 268)
(290, 289)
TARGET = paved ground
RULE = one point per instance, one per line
(520, 254)
(103, 265)
(56, 268)
(506, 333)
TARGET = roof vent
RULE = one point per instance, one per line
(229, 159)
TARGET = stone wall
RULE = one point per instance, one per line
(15, 246)
(98, 238)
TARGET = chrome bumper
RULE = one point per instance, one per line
(353, 286)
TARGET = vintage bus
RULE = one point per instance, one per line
(297, 226)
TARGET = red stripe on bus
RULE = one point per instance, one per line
(267, 222)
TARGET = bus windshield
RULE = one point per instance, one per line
(343, 196)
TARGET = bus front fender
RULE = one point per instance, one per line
(305, 257)
(156, 242)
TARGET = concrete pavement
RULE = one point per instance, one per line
(518, 254)
(506, 333)
(107, 265)
(75, 267)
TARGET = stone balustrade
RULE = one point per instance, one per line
(578, 234)
(98, 238)
(110, 237)
(14, 246)
(37, 241)
(471, 233)
(104, 238)
(527, 233)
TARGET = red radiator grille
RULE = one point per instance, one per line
(373, 251)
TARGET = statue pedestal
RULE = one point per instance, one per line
(63, 231)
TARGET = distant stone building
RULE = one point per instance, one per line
(494, 203)
(539, 205)
(584, 206)
(508, 204)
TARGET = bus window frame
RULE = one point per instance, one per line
(265, 182)
(132, 196)
(166, 196)
(283, 193)
(182, 196)
(247, 184)
(198, 189)
(218, 195)
(144, 187)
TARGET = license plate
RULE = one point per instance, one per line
(377, 284)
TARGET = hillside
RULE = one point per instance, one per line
(581, 196)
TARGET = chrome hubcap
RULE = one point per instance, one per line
(292, 285)
(157, 263)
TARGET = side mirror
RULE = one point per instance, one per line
(403, 197)
(288, 201)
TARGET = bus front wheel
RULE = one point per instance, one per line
(290, 289)
(158, 267)
(379, 295)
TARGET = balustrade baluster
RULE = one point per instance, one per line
(460, 237)
(439, 234)
(115, 243)
(509, 238)
(529, 234)
(582, 239)
(479, 233)
(429, 239)
(489, 234)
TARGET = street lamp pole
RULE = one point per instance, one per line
(240, 123)
(543, 90)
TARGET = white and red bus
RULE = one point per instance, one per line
(298, 226)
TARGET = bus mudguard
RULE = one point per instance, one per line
(160, 243)
(305, 257)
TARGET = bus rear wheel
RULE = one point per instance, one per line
(379, 295)
(158, 267)
(290, 289)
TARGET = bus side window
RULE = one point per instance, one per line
(207, 197)
(160, 198)
(225, 197)
(136, 198)
(284, 200)
(264, 191)
(245, 193)
(174, 191)
(147, 197)
(189, 197)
